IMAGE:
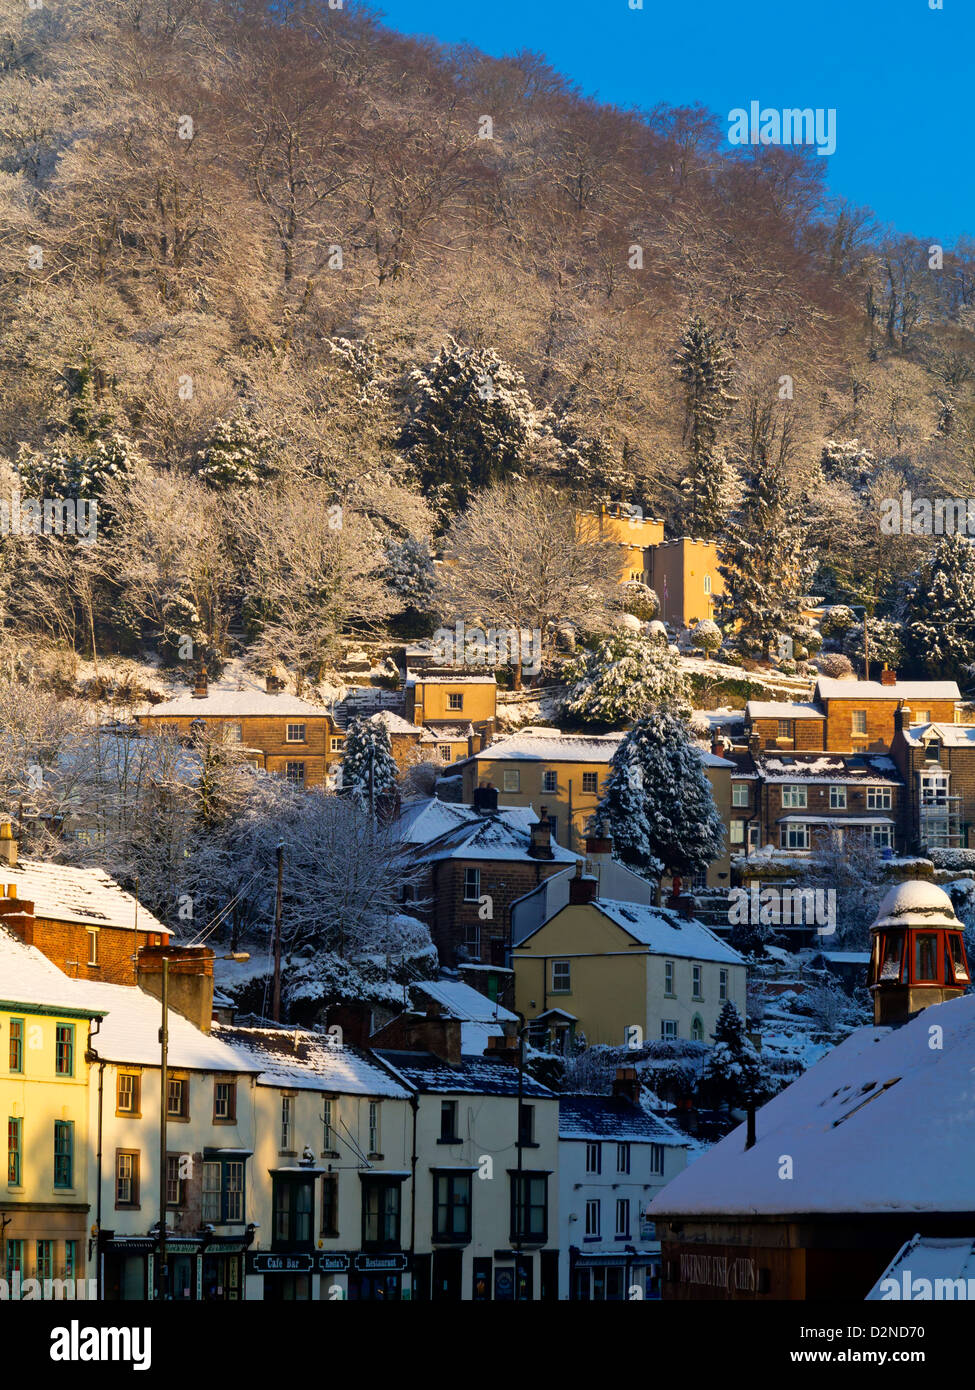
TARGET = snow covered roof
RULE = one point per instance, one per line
(831, 688)
(306, 1061)
(828, 767)
(775, 709)
(463, 1001)
(129, 1029)
(236, 704)
(557, 748)
(614, 1117)
(424, 1072)
(932, 1258)
(423, 678)
(882, 1123)
(65, 893)
(394, 723)
(491, 837)
(130, 1032)
(664, 932)
(710, 759)
(951, 735)
(427, 818)
(917, 902)
(28, 977)
(800, 818)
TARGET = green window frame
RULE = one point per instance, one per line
(64, 1153)
(44, 1260)
(16, 1057)
(64, 1049)
(15, 1151)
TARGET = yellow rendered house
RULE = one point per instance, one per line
(44, 1206)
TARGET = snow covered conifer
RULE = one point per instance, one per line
(409, 573)
(239, 453)
(368, 753)
(733, 1072)
(622, 676)
(473, 424)
(940, 609)
(704, 367)
(762, 557)
(658, 803)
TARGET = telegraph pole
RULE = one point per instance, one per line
(278, 908)
(163, 1277)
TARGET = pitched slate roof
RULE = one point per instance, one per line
(307, 1061)
(236, 704)
(777, 709)
(491, 837)
(474, 1076)
(664, 932)
(65, 893)
(553, 748)
(875, 768)
(613, 1117)
(829, 688)
(882, 1123)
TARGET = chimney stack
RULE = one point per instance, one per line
(887, 676)
(486, 800)
(190, 980)
(902, 716)
(582, 887)
(626, 1085)
(201, 688)
(17, 914)
(540, 846)
(8, 845)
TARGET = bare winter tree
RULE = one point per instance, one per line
(518, 558)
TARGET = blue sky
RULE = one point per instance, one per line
(899, 75)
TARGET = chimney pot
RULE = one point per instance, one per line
(582, 889)
(887, 676)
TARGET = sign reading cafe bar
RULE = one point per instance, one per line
(331, 1262)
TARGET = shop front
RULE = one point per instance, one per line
(200, 1268)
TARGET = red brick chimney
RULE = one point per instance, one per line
(682, 903)
(887, 676)
(582, 887)
(430, 1032)
(17, 914)
(200, 690)
(626, 1084)
(355, 1021)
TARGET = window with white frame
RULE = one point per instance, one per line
(455, 701)
(668, 1029)
(335, 745)
(787, 728)
(883, 836)
(707, 583)
(592, 1218)
(594, 1157)
(511, 779)
(722, 984)
(443, 751)
(622, 1158)
(669, 978)
(795, 837)
(859, 721)
(697, 986)
(737, 832)
(837, 798)
(550, 781)
(739, 794)
(296, 733)
(374, 1127)
(622, 1218)
(328, 1135)
(590, 783)
(794, 796)
(657, 1160)
(287, 1124)
(92, 947)
(878, 799)
(561, 976)
(934, 788)
(472, 885)
(472, 939)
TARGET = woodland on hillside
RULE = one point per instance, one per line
(269, 295)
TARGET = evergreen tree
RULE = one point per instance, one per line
(733, 1073)
(368, 766)
(763, 555)
(473, 424)
(622, 676)
(658, 802)
(704, 367)
(409, 573)
(940, 609)
(239, 453)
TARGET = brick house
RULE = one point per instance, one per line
(277, 732)
(798, 801)
(860, 714)
(937, 764)
(80, 919)
(478, 861)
